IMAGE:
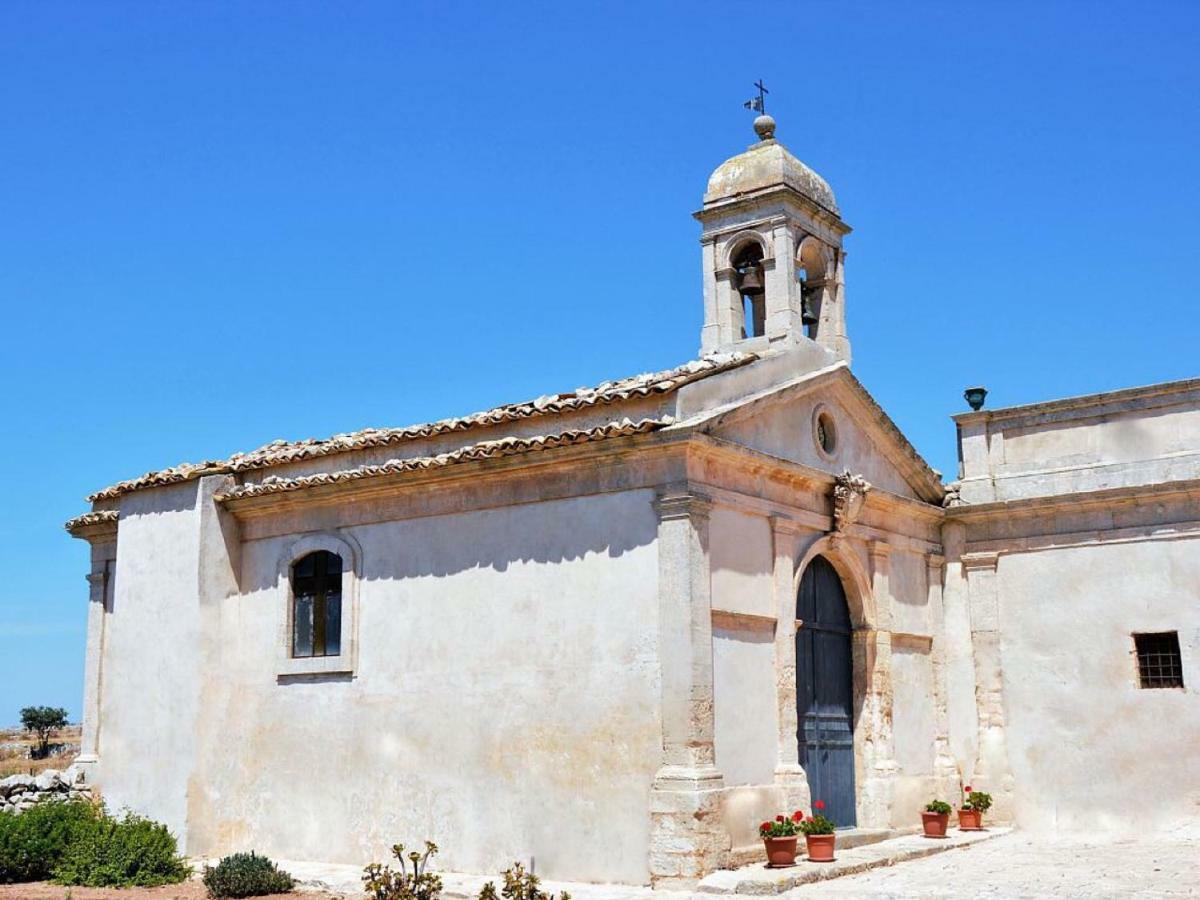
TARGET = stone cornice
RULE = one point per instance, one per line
(1085, 406)
(94, 527)
(807, 476)
(1074, 502)
(830, 219)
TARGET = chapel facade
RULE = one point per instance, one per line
(613, 629)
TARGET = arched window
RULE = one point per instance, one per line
(317, 605)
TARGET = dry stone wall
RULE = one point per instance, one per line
(20, 792)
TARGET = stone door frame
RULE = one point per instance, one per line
(874, 768)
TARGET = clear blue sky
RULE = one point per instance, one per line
(223, 223)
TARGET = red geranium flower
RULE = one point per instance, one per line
(779, 818)
(765, 826)
(820, 804)
(797, 816)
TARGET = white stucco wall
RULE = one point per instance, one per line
(745, 706)
(506, 702)
(746, 709)
(908, 586)
(1088, 747)
(741, 562)
(151, 663)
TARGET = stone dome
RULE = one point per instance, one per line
(768, 164)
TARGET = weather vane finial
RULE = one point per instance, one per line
(758, 104)
(764, 125)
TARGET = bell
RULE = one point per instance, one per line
(808, 313)
(750, 279)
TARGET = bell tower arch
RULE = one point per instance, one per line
(772, 252)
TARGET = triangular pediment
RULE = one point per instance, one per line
(788, 421)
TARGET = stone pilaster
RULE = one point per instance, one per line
(99, 603)
(873, 665)
(711, 334)
(992, 772)
(783, 291)
(832, 330)
(790, 776)
(945, 771)
(687, 837)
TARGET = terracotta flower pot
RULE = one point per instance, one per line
(935, 823)
(820, 847)
(970, 820)
(781, 851)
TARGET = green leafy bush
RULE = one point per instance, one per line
(519, 885)
(127, 852)
(246, 875)
(977, 800)
(34, 842)
(941, 807)
(381, 883)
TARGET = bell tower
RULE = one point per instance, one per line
(772, 253)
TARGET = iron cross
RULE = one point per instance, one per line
(759, 103)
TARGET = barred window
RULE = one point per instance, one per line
(1159, 662)
(317, 605)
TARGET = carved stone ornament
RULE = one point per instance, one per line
(953, 495)
(849, 495)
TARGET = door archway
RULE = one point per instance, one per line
(825, 691)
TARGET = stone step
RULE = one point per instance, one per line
(846, 838)
(850, 859)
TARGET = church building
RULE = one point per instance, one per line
(614, 629)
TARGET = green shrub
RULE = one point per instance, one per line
(246, 875)
(941, 807)
(978, 801)
(34, 842)
(127, 852)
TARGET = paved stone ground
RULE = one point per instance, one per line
(1019, 865)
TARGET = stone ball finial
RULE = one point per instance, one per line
(764, 127)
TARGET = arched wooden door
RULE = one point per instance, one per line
(824, 691)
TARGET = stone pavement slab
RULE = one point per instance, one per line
(758, 879)
(1159, 866)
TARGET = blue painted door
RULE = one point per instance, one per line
(824, 691)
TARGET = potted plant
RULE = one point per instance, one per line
(779, 837)
(970, 817)
(935, 818)
(818, 835)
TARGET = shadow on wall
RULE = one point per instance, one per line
(556, 531)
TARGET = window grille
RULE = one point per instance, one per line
(1159, 662)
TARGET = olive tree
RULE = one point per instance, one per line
(43, 721)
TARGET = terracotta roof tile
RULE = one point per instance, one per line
(97, 517)
(282, 452)
(509, 446)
